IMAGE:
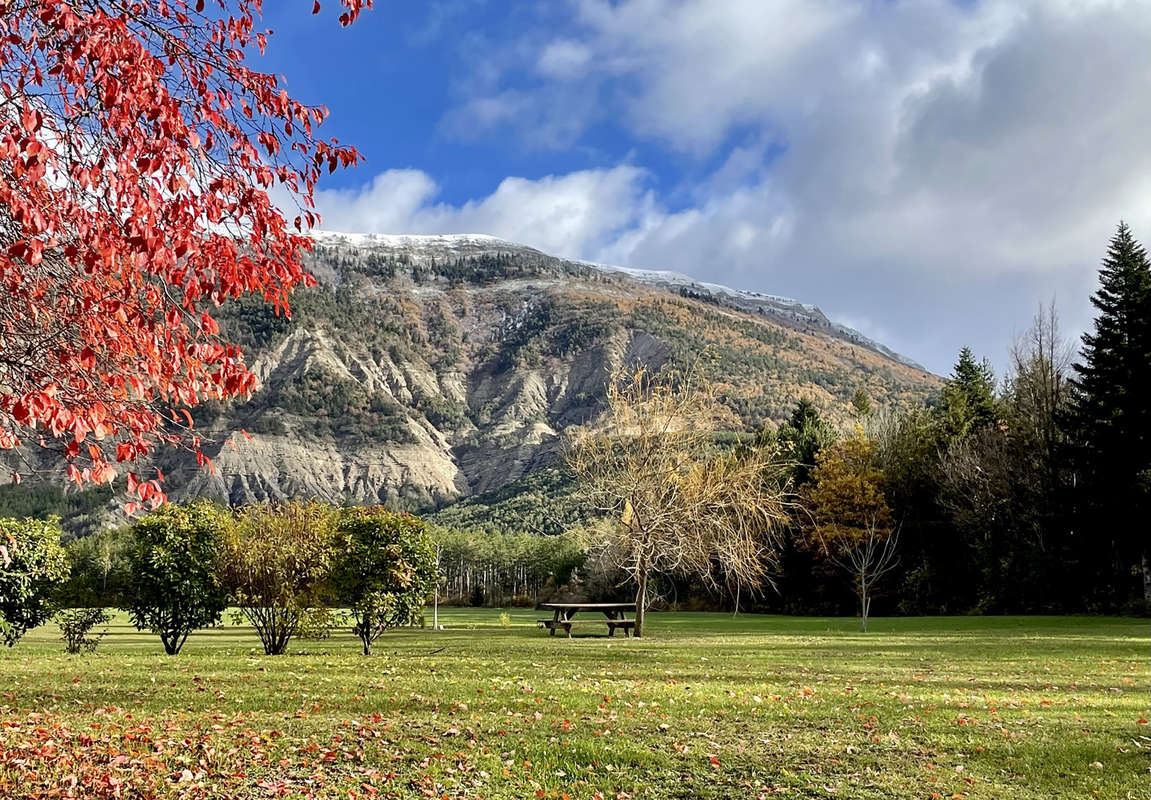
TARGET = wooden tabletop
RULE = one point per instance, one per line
(588, 606)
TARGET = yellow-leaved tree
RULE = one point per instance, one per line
(851, 523)
(676, 502)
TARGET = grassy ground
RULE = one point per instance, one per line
(705, 706)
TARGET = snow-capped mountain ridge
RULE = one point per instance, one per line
(431, 246)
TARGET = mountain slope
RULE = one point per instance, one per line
(424, 369)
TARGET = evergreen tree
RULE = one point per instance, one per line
(802, 437)
(1112, 420)
(967, 401)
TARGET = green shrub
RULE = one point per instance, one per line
(174, 587)
(76, 626)
(30, 575)
(385, 569)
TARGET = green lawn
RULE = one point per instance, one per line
(704, 706)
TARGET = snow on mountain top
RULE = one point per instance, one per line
(678, 279)
(447, 241)
(741, 299)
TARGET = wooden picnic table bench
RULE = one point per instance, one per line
(616, 614)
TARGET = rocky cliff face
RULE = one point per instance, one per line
(422, 370)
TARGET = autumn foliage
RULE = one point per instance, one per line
(852, 523)
(845, 498)
(675, 504)
(138, 152)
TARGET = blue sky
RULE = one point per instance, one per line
(393, 80)
(928, 171)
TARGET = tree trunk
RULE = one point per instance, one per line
(1147, 578)
(864, 603)
(640, 606)
(278, 645)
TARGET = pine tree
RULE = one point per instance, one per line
(967, 401)
(803, 436)
(1112, 421)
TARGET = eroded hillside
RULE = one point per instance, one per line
(425, 369)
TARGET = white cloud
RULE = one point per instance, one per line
(388, 204)
(576, 214)
(564, 58)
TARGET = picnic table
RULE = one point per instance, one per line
(615, 613)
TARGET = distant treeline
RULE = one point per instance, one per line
(1027, 494)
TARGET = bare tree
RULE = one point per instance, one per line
(1040, 385)
(868, 558)
(678, 503)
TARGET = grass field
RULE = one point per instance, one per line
(704, 706)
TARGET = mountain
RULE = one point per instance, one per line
(426, 369)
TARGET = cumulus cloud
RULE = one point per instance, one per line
(951, 153)
(575, 214)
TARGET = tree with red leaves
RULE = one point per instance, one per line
(137, 153)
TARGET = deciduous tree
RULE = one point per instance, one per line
(276, 561)
(32, 566)
(385, 569)
(175, 586)
(137, 154)
(679, 504)
(851, 520)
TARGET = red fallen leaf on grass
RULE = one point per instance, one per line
(1141, 721)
